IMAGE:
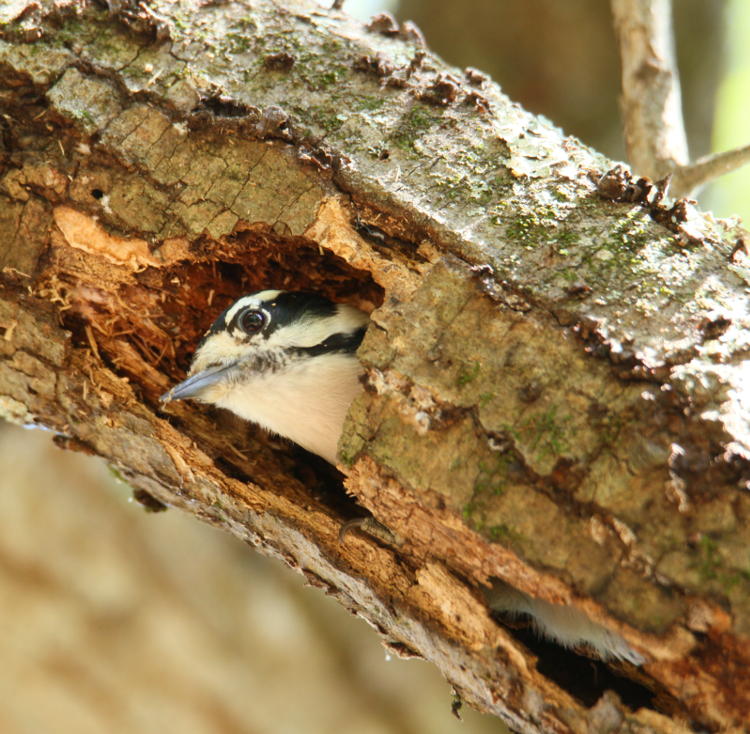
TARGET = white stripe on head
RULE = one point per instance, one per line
(254, 300)
(308, 329)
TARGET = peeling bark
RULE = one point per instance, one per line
(554, 368)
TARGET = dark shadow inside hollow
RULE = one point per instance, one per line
(587, 679)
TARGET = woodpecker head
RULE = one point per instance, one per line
(285, 360)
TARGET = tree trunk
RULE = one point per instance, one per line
(554, 365)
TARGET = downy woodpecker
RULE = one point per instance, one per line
(284, 360)
(287, 361)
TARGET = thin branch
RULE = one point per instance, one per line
(651, 107)
(651, 102)
(688, 178)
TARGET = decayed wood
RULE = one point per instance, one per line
(554, 369)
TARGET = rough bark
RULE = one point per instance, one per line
(554, 365)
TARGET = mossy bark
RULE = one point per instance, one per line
(554, 368)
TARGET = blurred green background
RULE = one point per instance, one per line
(116, 621)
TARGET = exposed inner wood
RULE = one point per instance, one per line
(551, 372)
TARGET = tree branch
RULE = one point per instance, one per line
(687, 179)
(557, 395)
(652, 110)
(651, 102)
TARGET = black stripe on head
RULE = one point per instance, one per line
(284, 309)
(291, 306)
(342, 342)
(218, 325)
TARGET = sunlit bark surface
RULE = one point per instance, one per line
(556, 392)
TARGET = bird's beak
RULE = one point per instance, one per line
(194, 386)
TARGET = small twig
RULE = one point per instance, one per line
(690, 177)
(92, 342)
(236, 451)
(651, 102)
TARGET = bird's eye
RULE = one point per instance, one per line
(251, 321)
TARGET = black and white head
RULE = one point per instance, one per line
(284, 360)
